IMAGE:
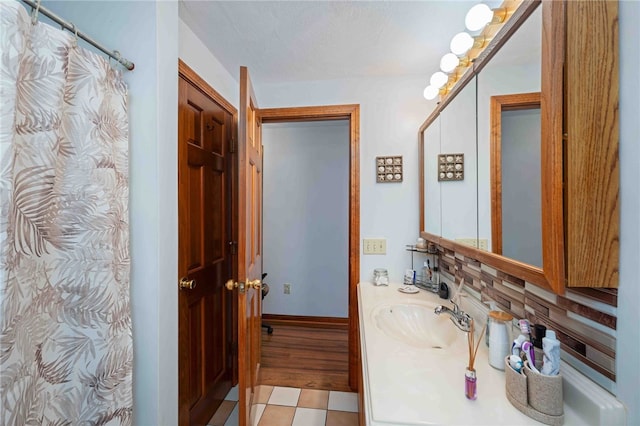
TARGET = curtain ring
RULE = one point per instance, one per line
(117, 56)
(34, 14)
(75, 31)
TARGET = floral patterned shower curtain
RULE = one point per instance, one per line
(65, 325)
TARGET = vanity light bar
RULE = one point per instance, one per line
(468, 48)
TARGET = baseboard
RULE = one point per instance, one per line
(306, 321)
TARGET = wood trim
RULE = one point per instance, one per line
(310, 113)
(551, 116)
(191, 76)
(518, 269)
(495, 171)
(306, 321)
(592, 128)
(498, 104)
(350, 112)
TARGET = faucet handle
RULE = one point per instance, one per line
(456, 308)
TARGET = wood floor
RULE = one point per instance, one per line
(305, 357)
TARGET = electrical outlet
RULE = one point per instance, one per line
(287, 288)
(374, 246)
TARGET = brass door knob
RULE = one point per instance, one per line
(186, 284)
(255, 284)
(230, 285)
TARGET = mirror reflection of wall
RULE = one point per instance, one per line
(514, 69)
(431, 185)
(459, 198)
(521, 188)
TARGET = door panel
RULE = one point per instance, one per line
(249, 245)
(205, 372)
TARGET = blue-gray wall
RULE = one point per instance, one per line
(306, 217)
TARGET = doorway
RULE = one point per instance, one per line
(306, 218)
(350, 113)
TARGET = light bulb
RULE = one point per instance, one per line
(478, 16)
(449, 62)
(460, 43)
(438, 79)
(430, 92)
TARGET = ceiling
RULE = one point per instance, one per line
(283, 41)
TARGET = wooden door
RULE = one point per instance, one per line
(249, 246)
(204, 164)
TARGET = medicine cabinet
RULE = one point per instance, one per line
(562, 58)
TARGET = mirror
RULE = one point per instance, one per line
(431, 143)
(458, 198)
(504, 77)
(509, 179)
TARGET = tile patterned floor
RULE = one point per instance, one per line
(283, 406)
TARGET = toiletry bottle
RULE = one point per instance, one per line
(426, 272)
(538, 334)
(499, 323)
(551, 350)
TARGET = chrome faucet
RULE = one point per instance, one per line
(461, 319)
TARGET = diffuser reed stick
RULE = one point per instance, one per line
(473, 345)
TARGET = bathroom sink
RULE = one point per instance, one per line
(415, 325)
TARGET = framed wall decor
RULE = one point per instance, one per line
(389, 169)
(450, 167)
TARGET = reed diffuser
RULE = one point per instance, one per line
(470, 385)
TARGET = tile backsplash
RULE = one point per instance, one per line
(584, 318)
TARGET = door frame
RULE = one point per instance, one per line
(192, 77)
(349, 112)
(499, 104)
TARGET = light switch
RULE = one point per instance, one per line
(374, 246)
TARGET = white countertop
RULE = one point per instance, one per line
(405, 385)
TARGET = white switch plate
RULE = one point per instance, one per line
(482, 243)
(374, 246)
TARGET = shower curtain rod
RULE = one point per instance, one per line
(72, 28)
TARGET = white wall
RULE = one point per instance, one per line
(306, 217)
(195, 54)
(628, 346)
(147, 34)
(391, 111)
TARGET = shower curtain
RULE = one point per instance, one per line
(65, 325)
